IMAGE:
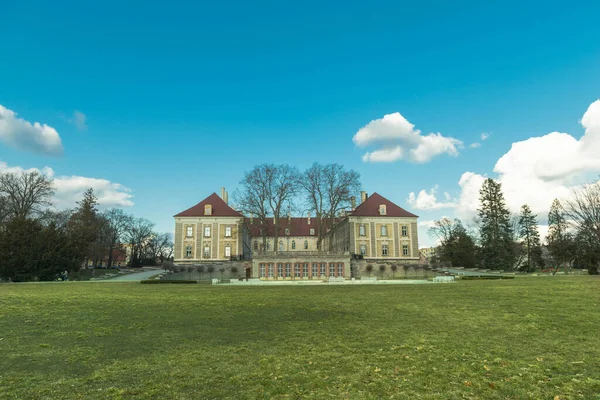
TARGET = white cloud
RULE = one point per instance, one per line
(69, 189)
(537, 170)
(475, 145)
(484, 136)
(78, 120)
(36, 137)
(398, 139)
(428, 201)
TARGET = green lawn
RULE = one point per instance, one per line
(528, 338)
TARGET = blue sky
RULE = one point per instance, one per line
(179, 98)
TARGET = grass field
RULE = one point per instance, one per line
(528, 338)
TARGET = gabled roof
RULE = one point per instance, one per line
(296, 227)
(370, 208)
(219, 208)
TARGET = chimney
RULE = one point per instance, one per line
(226, 197)
(363, 197)
(353, 202)
(289, 217)
(309, 217)
(223, 193)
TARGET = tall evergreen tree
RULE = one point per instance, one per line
(85, 224)
(530, 236)
(497, 250)
(560, 240)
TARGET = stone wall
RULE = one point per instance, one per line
(408, 269)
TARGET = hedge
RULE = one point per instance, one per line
(157, 281)
(486, 277)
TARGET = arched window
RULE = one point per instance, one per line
(306, 245)
(281, 245)
(293, 244)
(255, 245)
(188, 252)
(268, 245)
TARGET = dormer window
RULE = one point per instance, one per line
(208, 209)
(382, 210)
(287, 231)
(312, 231)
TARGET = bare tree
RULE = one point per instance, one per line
(394, 268)
(137, 234)
(25, 193)
(159, 247)
(583, 209)
(266, 191)
(117, 223)
(328, 190)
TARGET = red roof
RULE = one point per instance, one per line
(296, 227)
(370, 208)
(219, 208)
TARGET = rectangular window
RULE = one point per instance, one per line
(227, 251)
(384, 249)
(227, 231)
(361, 230)
(315, 270)
(207, 231)
(323, 269)
(190, 231)
(383, 230)
(271, 267)
(208, 209)
(262, 270)
(287, 231)
(188, 251)
(404, 249)
(305, 270)
(206, 252)
(340, 269)
(404, 230)
(363, 249)
(280, 270)
(288, 270)
(312, 231)
(382, 209)
(331, 269)
(297, 270)
(255, 245)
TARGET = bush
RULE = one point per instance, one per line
(482, 278)
(156, 281)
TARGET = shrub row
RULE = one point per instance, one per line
(486, 277)
(156, 281)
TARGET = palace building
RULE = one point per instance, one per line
(374, 232)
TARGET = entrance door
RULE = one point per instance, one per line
(248, 273)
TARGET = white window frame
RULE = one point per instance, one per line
(363, 247)
(340, 267)
(262, 270)
(384, 250)
(305, 270)
(306, 245)
(404, 230)
(207, 231)
(271, 270)
(331, 269)
(384, 231)
(404, 249)
(188, 252)
(297, 270)
(189, 231)
(323, 269)
(206, 251)
(279, 269)
(315, 269)
(293, 245)
(382, 209)
(228, 231)
(281, 247)
(362, 230)
(312, 231)
(288, 270)
(227, 251)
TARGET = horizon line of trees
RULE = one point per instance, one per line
(502, 241)
(38, 242)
